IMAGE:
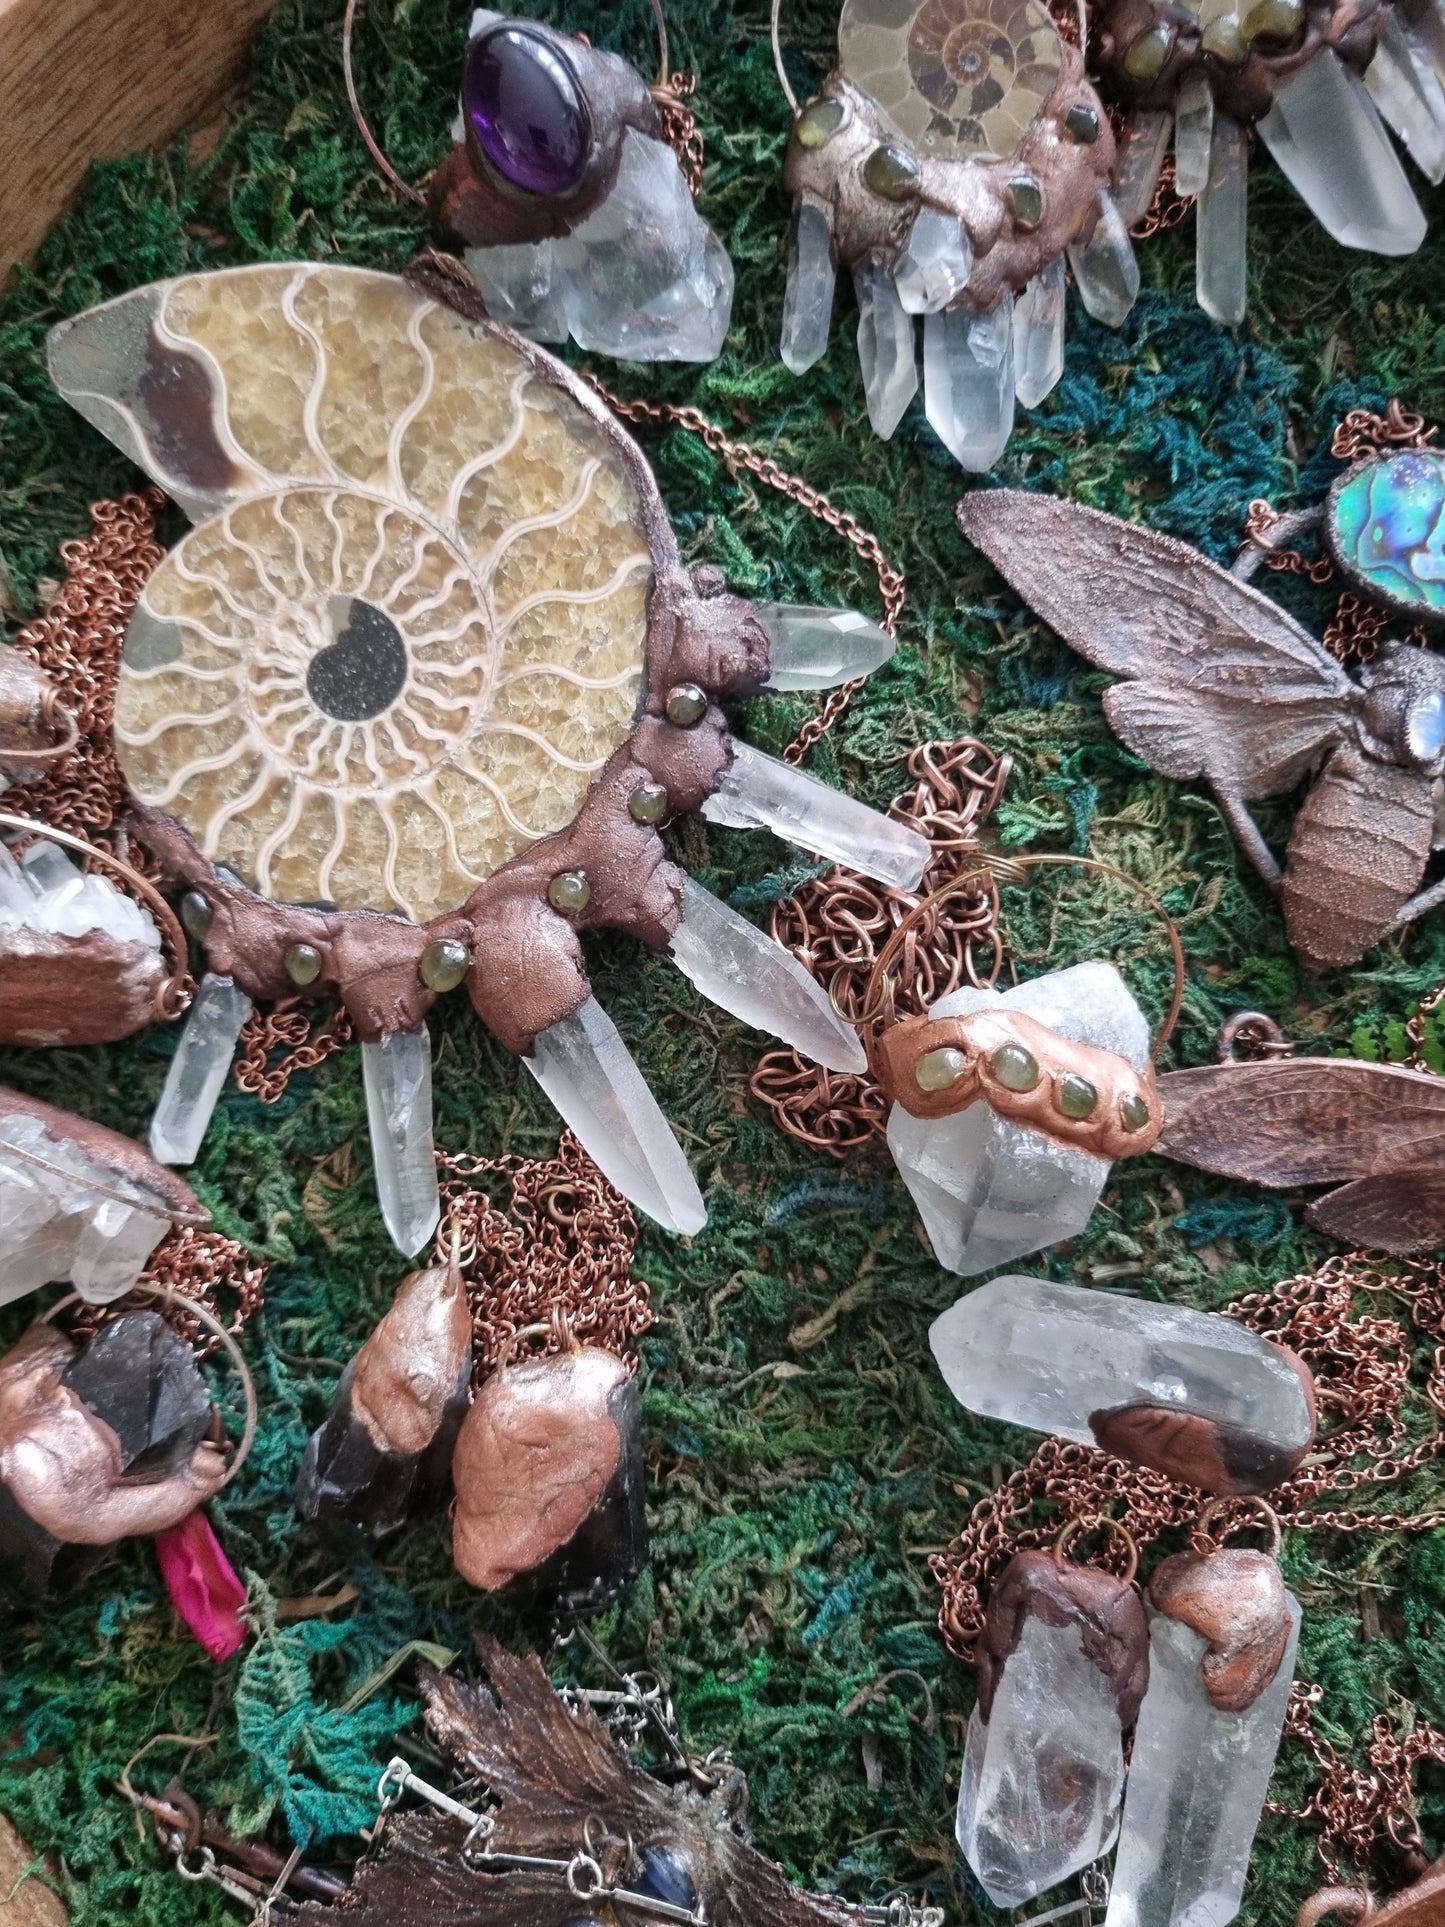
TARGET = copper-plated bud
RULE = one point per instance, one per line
(1108, 1612)
(1235, 1599)
(549, 1478)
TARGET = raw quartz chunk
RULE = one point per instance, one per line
(1043, 1776)
(1048, 1356)
(1106, 272)
(46, 891)
(990, 1191)
(198, 1070)
(808, 294)
(1039, 320)
(643, 277)
(968, 382)
(396, 1070)
(64, 1216)
(886, 353)
(934, 264)
(1197, 1783)
(812, 648)
(1406, 89)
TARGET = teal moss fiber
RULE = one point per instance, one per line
(804, 1457)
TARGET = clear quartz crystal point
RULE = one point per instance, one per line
(643, 277)
(808, 297)
(1039, 314)
(1193, 131)
(812, 648)
(1331, 145)
(397, 1073)
(1407, 91)
(746, 973)
(1043, 1776)
(65, 1215)
(968, 383)
(588, 1073)
(1222, 225)
(1197, 1783)
(934, 264)
(1105, 271)
(1046, 1356)
(1141, 159)
(990, 1191)
(198, 1070)
(886, 350)
(758, 792)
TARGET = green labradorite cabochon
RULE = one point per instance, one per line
(1386, 528)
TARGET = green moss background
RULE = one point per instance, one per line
(797, 1489)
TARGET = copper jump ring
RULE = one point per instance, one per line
(1098, 1522)
(1268, 1518)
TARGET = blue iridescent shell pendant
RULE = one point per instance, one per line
(949, 162)
(569, 193)
(1384, 526)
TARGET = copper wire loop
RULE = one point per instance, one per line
(1204, 1539)
(1099, 1522)
(1250, 1034)
(553, 1262)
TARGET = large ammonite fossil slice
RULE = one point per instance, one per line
(1321, 79)
(406, 707)
(949, 162)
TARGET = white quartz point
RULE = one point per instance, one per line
(1222, 225)
(198, 1070)
(990, 1191)
(1193, 131)
(1039, 335)
(1141, 158)
(934, 264)
(1331, 145)
(1047, 1356)
(588, 1072)
(744, 972)
(46, 891)
(1105, 271)
(968, 383)
(758, 792)
(1407, 92)
(819, 648)
(1043, 1776)
(1197, 1783)
(886, 349)
(397, 1072)
(808, 297)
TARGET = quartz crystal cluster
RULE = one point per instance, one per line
(642, 276)
(1217, 1404)
(46, 891)
(990, 1190)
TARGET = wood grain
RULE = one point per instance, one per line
(84, 80)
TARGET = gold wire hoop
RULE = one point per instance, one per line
(175, 993)
(170, 1297)
(363, 127)
(1268, 1519)
(1099, 1522)
(1006, 869)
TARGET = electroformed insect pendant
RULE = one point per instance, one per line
(569, 205)
(1321, 80)
(948, 163)
(406, 707)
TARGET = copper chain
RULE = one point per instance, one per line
(892, 586)
(1353, 633)
(558, 1252)
(196, 1264)
(680, 129)
(837, 924)
(287, 1025)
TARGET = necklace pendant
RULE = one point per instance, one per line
(397, 1411)
(1222, 1639)
(1063, 1661)
(1195, 1397)
(569, 206)
(549, 1482)
(1005, 1129)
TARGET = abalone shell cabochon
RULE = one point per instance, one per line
(956, 77)
(409, 628)
(1385, 526)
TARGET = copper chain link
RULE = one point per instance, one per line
(1352, 635)
(680, 129)
(287, 1025)
(558, 1251)
(195, 1264)
(836, 926)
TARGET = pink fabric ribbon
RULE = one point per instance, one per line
(203, 1585)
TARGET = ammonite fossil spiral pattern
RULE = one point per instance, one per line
(956, 77)
(413, 633)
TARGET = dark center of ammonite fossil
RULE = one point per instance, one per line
(364, 670)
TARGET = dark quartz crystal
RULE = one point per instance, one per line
(142, 1379)
(525, 110)
(345, 1475)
